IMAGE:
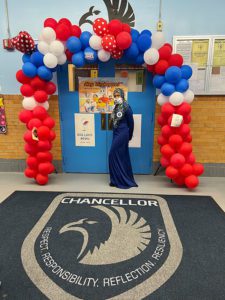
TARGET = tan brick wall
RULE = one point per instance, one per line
(12, 143)
(207, 128)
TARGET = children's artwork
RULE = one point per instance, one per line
(96, 94)
(2, 117)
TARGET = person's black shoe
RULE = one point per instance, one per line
(110, 184)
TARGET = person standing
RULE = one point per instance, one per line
(120, 169)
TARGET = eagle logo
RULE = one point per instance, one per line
(129, 236)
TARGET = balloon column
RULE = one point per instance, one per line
(62, 41)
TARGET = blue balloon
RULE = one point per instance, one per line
(173, 74)
(144, 42)
(146, 31)
(44, 73)
(74, 44)
(134, 34)
(182, 86)
(132, 52)
(78, 59)
(186, 71)
(90, 55)
(26, 58)
(167, 89)
(29, 69)
(140, 59)
(158, 81)
(84, 38)
(37, 59)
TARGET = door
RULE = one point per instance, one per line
(79, 159)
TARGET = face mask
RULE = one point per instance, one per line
(118, 100)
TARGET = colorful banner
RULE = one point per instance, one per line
(2, 117)
(96, 94)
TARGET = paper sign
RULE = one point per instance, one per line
(136, 140)
(176, 120)
(84, 130)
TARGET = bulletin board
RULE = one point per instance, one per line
(206, 55)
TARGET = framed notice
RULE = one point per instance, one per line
(136, 140)
(84, 130)
(206, 56)
(3, 128)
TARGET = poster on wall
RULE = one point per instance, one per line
(96, 94)
(3, 128)
(136, 140)
(84, 130)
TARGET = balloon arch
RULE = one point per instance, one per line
(60, 42)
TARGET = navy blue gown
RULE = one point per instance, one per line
(120, 168)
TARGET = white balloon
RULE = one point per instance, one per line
(44, 104)
(62, 59)
(103, 55)
(43, 47)
(151, 56)
(176, 98)
(56, 48)
(29, 103)
(158, 39)
(161, 99)
(95, 42)
(188, 96)
(50, 60)
(48, 34)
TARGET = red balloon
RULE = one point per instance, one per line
(44, 168)
(151, 68)
(100, 27)
(167, 151)
(115, 27)
(190, 159)
(198, 169)
(161, 140)
(52, 168)
(28, 137)
(25, 116)
(167, 131)
(40, 96)
(49, 122)
(32, 162)
(188, 138)
(179, 180)
(186, 170)
(185, 149)
(26, 90)
(165, 52)
(40, 112)
(126, 28)
(191, 181)
(171, 172)
(43, 133)
(41, 179)
(183, 130)
(75, 31)
(167, 110)
(187, 119)
(177, 160)
(117, 53)
(52, 135)
(65, 21)
(37, 83)
(44, 145)
(161, 66)
(30, 173)
(69, 55)
(169, 45)
(50, 22)
(123, 40)
(50, 88)
(184, 109)
(108, 42)
(30, 149)
(161, 120)
(175, 60)
(21, 77)
(62, 32)
(34, 122)
(175, 141)
(44, 156)
(164, 162)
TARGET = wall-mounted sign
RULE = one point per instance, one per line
(136, 140)
(84, 130)
(3, 128)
